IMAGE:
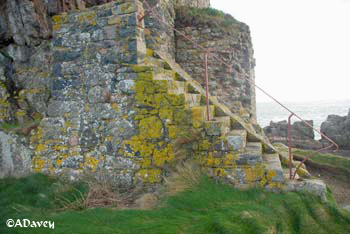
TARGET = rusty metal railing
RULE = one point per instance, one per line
(292, 175)
(208, 53)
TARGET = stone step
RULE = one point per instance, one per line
(244, 176)
(153, 62)
(286, 173)
(199, 115)
(254, 146)
(192, 100)
(237, 139)
(252, 154)
(273, 167)
(176, 87)
(190, 88)
(162, 74)
(218, 126)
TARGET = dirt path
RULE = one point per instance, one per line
(339, 186)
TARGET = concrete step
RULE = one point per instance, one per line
(274, 170)
(237, 140)
(192, 100)
(199, 115)
(218, 126)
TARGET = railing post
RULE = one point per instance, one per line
(290, 146)
(207, 83)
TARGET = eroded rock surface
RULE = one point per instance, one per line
(15, 156)
(338, 129)
(302, 135)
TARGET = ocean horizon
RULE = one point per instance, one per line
(309, 110)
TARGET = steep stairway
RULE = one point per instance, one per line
(230, 146)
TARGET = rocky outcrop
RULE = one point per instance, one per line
(15, 156)
(302, 135)
(24, 23)
(338, 129)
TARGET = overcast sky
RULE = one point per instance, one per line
(302, 47)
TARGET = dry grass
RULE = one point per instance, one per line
(101, 196)
(185, 139)
(185, 176)
(101, 192)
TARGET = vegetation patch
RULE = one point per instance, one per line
(331, 162)
(189, 16)
(206, 207)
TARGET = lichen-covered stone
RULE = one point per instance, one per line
(15, 157)
(109, 104)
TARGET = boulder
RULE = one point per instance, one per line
(302, 135)
(338, 129)
(313, 186)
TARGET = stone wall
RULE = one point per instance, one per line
(228, 40)
(193, 3)
(87, 112)
(101, 101)
(158, 35)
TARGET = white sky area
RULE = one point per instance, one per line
(302, 47)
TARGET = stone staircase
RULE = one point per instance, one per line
(230, 147)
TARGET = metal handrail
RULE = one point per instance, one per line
(207, 53)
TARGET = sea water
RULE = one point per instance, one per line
(316, 111)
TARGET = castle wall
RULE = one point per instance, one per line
(85, 121)
(193, 3)
(233, 45)
(159, 36)
(105, 103)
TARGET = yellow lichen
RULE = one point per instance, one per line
(151, 127)
(92, 163)
(230, 159)
(115, 107)
(38, 164)
(40, 147)
(161, 156)
(220, 172)
(149, 175)
(253, 174)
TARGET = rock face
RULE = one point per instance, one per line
(24, 22)
(15, 156)
(338, 129)
(302, 135)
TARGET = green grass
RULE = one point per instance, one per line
(327, 159)
(8, 126)
(189, 16)
(209, 207)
